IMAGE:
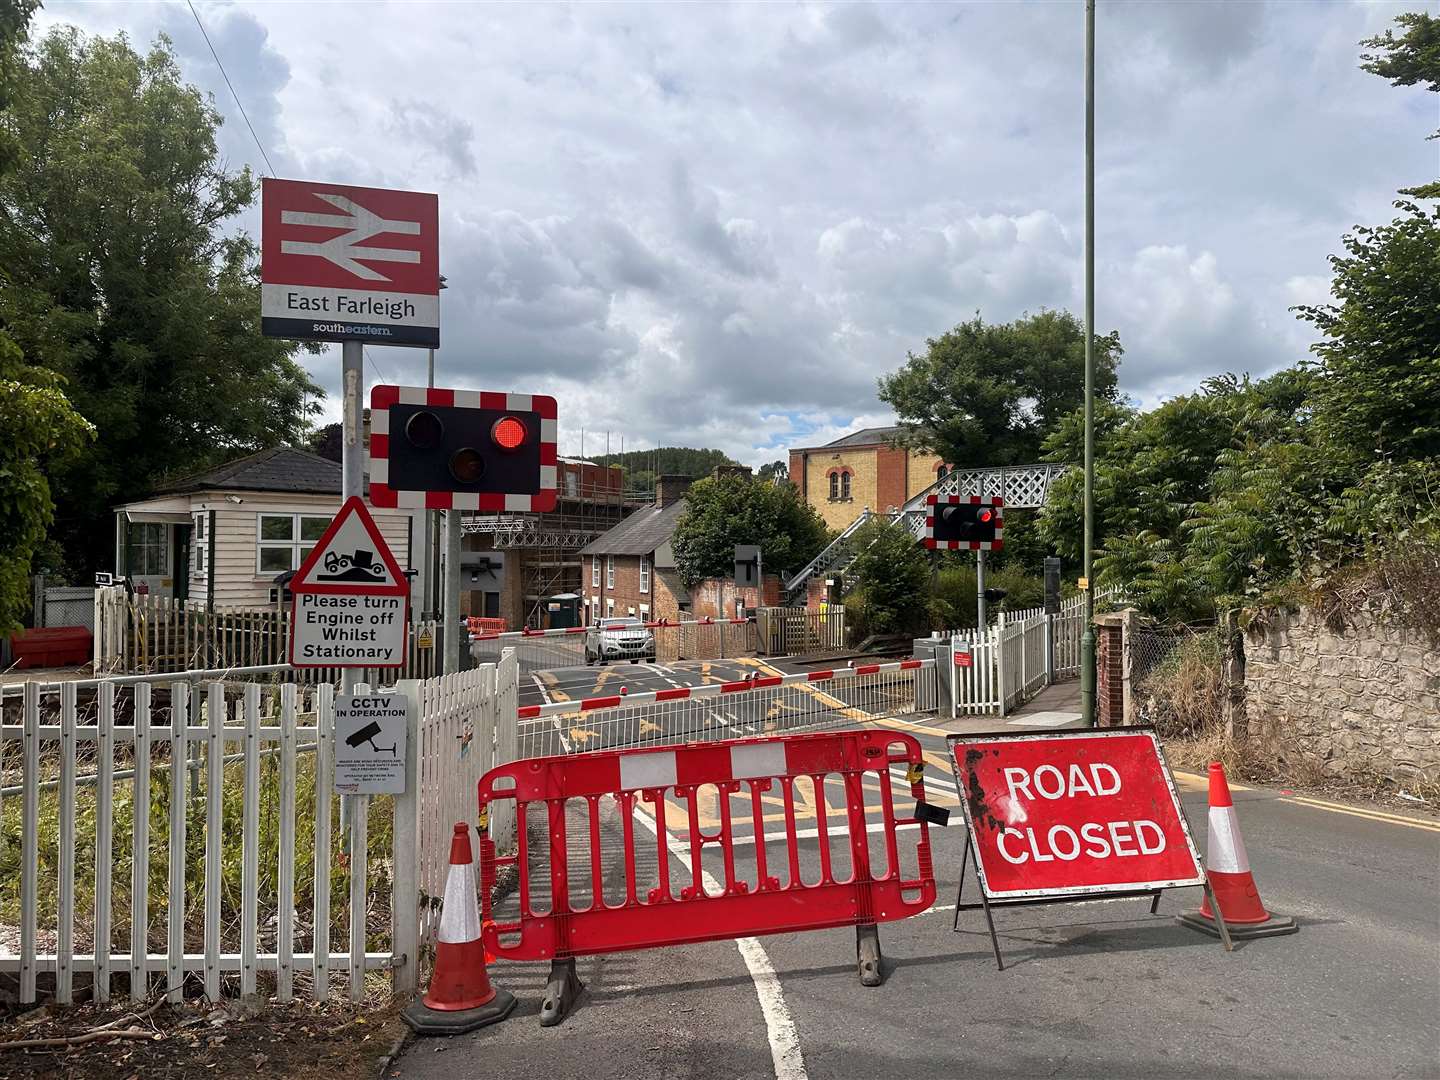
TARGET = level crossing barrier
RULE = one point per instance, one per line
(762, 704)
(589, 883)
(689, 639)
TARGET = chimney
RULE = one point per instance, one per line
(721, 471)
(671, 489)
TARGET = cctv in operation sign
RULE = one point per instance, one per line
(1067, 814)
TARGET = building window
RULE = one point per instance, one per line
(839, 485)
(609, 606)
(148, 554)
(942, 471)
(594, 571)
(199, 547)
(283, 540)
(844, 485)
(610, 571)
(645, 612)
(834, 486)
(594, 609)
(644, 574)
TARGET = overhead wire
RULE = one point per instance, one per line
(226, 76)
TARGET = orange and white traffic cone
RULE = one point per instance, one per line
(1228, 868)
(460, 997)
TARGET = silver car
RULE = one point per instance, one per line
(619, 638)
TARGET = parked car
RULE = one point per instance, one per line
(619, 638)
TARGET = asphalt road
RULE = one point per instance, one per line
(1100, 989)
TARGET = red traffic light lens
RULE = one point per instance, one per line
(424, 430)
(509, 433)
(987, 516)
(467, 466)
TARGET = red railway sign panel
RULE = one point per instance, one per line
(1072, 813)
(348, 263)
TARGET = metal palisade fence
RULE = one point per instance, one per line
(183, 836)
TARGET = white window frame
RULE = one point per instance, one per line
(644, 573)
(594, 571)
(609, 607)
(644, 612)
(132, 548)
(199, 549)
(844, 486)
(298, 547)
(609, 571)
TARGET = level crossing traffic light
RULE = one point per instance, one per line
(462, 450)
(964, 522)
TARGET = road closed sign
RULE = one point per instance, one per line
(1073, 813)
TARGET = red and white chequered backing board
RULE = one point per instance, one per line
(973, 545)
(382, 494)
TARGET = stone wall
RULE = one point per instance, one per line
(1366, 700)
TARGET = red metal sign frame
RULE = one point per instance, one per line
(985, 807)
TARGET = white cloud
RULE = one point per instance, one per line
(719, 225)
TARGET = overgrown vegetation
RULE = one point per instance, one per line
(642, 467)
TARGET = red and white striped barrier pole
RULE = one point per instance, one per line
(561, 631)
(460, 997)
(740, 686)
(1227, 865)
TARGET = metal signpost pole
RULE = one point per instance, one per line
(980, 589)
(427, 594)
(352, 461)
(1087, 641)
(453, 637)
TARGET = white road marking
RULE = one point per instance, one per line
(544, 694)
(779, 1025)
(930, 781)
(810, 834)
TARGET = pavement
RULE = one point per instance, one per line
(1093, 989)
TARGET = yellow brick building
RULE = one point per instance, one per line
(860, 470)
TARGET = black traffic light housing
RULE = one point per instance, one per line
(463, 450)
(959, 521)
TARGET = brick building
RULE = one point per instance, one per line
(510, 564)
(630, 570)
(863, 469)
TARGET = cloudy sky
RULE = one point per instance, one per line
(717, 225)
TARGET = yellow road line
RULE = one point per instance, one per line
(1373, 815)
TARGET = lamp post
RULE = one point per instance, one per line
(1087, 640)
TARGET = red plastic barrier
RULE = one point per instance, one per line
(648, 917)
(479, 625)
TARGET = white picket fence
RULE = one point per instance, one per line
(1016, 657)
(468, 727)
(239, 878)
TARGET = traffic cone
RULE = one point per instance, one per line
(1228, 868)
(460, 997)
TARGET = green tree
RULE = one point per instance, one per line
(1380, 360)
(734, 508)
(892, 579)
(118, 274)
(989, 395)
(1411, 59)
(641, 467)
(42, 431)
(41, 428)
(775, 470)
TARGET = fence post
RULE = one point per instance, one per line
(1127, 666)
(1233, 708)
(405, 904)
(1049, 649)
(997, 636)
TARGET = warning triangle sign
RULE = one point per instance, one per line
(352, 557)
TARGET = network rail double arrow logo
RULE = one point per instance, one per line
(342, 262)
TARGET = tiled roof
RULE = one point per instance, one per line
(869, 436)
(280, 468)
(640, 533)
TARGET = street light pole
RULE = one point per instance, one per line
(1087, 640)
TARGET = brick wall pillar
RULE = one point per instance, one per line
(1109, 670)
